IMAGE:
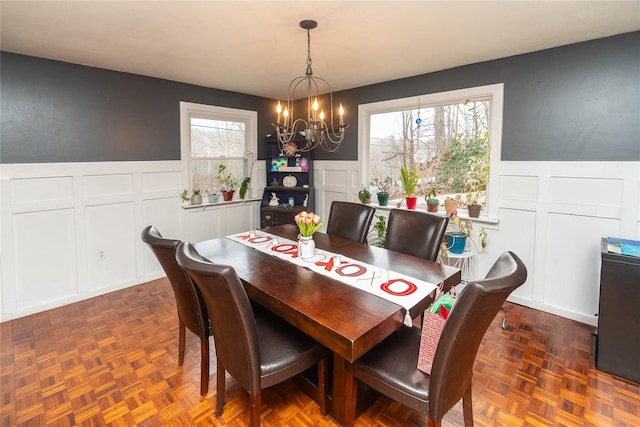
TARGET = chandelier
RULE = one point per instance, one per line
(318, 130)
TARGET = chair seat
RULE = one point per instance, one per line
(281, 347)
(391, 368)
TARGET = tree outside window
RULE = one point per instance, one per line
(445, 143)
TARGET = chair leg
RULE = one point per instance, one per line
(219, 388)
(181, 340)
(204, 367)
(467, 407)
(322, 386)
(433, 423)
(504, 318)
(254, 410)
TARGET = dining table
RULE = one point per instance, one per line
(347, 320)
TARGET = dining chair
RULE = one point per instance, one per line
(257, 352)
(415, 233)
(192, 312)
(350, 220)
(391, 366)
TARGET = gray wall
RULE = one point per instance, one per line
(574, 103)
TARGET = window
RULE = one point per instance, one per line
(214, 136)
(451, 138)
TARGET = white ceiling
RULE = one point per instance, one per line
(257, 47)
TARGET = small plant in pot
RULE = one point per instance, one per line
(409, 182)
(383, 186)
(476, 184)
(228, 183)
(184, 196)
(364, 195)
(456, 240)
(196, 198)
(432, 202)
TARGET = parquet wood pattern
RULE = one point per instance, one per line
(113, 360)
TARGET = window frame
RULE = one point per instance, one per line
(190, 110)
(494, 93)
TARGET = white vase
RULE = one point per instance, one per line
(306, 247)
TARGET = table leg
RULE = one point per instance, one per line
(343, 382)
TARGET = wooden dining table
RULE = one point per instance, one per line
(345, 319)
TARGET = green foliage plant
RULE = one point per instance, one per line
(225, 178)
(409, 180)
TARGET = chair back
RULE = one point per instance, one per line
(350, 220)
(415, 233)
(232, 319)
(191, 308)
(477, 305)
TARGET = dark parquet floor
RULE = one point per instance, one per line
(112, 360)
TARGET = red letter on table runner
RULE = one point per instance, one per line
(411, 288)
(359, 270)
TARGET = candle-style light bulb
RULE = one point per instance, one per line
(321, 115)
(315, 104)
(341, 114)
(285, 113)
(278, 110)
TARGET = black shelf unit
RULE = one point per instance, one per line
(284, 213)
(618, 340)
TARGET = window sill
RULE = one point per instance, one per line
(204, 205)
(462, 213)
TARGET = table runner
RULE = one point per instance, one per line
(398, 288)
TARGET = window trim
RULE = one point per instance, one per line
(494, 92)
(189, 110)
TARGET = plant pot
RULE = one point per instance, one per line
(306, 247)
(412, 202)
(383, 198)
(474, 210)
(213, 198)
(433, 205)
(227, 195)
(196, 199)
(456, 242)
(450, 205)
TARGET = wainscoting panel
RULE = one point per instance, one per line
(44, 249)
(518, 188)
(110, 245)
(586, 191)
(166, 215)
(162, 181)
(108, 185)
(41, 189)
(572, 261)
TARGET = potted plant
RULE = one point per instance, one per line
(457, 240)
(244, 187)
(196, 198)
(228, 183)
(383, 189)
(184, 196)
(364, 195)
(380, 228)
(410, 181)
(450, 205)
(477, 178)
(432, 202)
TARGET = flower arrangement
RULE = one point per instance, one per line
(308, 223)
(464, 228)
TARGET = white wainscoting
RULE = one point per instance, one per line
(71, 231)
(552, 214)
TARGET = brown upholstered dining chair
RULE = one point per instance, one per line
(257, 352)
(391, 367)
(350, 220)
(415, 233)
(192, 312)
